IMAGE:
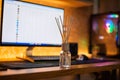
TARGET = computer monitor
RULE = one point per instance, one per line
(28, 24)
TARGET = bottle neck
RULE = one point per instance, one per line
(65, 46)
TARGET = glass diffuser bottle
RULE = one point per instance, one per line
(65, 56)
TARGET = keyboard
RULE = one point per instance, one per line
(44, 58)
(26, 65)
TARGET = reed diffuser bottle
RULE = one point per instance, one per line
(65, 55)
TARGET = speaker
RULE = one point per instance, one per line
(73, 49)
(102, 50)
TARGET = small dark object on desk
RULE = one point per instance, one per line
(3, 68)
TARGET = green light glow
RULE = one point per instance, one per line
(109, 26)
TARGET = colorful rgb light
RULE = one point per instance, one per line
(113, 16)
(109, 26)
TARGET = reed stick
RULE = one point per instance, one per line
(58, 24)
(65, 29)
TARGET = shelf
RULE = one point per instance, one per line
(62, 3)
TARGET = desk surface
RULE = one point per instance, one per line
(40, 73)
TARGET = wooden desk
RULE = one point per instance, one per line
(50, 72)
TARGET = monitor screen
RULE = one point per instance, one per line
(24, 23)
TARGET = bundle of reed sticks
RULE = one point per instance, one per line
(64, 29)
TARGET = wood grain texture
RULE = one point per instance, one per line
(51, 72)
(61, 3)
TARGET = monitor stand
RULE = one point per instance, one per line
(29, 51)
(28, 54)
